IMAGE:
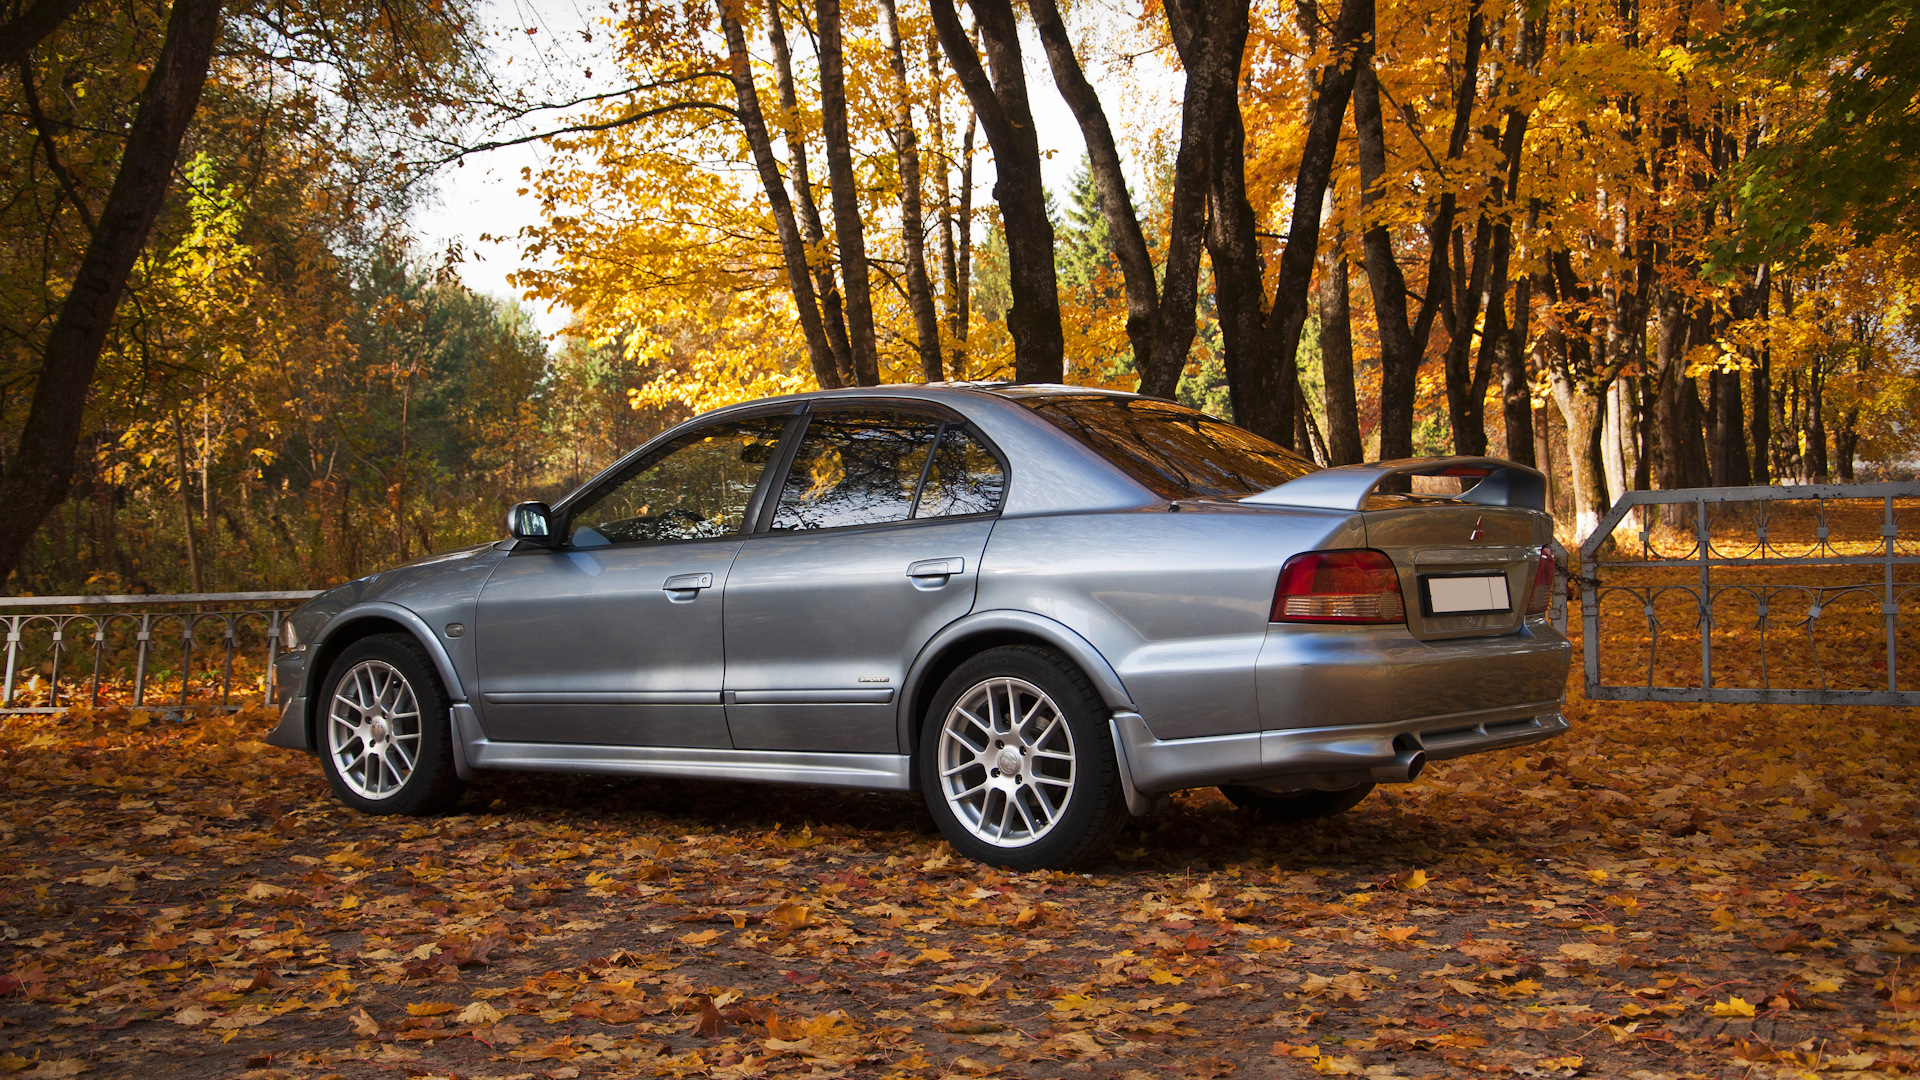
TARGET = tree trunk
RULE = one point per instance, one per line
(24, 31)
(832, 313)
(1399, 355)
(1401, 342)
(1682, 462)
(1580, 407)
(1845, 440)
(1731, 466)
(1000, 101)
(1816, 420)
(1260, 392)
(1287, 316)
(1202, 62)
(1613, 462)
(1116, 202)
(943, 156)
(906, 145)
(37, 477)
(963, 302)
(186, 507)
(1761, 392)
(1516, 388)
(792, 248)
(1336, 357)
(848, 232)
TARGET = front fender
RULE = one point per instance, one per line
(390, 612)
(1007, 621)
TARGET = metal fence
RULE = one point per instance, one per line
(123, 650)
(1785, 595)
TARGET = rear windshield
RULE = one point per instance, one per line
(1176, 452)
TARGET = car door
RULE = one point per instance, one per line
(613, 637)
(872, 544)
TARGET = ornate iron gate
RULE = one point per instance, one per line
(1794, 594)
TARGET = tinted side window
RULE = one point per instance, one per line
(1174, 451)
(699, 487)
(855, 467)
(964, 478)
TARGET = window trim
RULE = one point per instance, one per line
(946, 418)
(651, 453)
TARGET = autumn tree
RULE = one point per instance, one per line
(92, 204)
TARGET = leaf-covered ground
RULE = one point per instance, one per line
(1668, 891)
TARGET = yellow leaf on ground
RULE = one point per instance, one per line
(480, 1013)
(1732, 1007)
(791, 916)
(430, 1008)
(704, 937)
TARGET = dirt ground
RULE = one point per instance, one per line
(1669, 891)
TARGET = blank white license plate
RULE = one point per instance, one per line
(1474, 595)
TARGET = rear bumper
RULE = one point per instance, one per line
(1316, 676)
(1327, 758)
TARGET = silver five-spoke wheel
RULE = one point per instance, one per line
(1007, 762)
(373, 729)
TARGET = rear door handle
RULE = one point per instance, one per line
(684, 588)
(936, 568)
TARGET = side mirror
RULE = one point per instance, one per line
(532, 522)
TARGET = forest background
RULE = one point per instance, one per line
(1639, 243)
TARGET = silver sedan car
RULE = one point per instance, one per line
(1044, 607)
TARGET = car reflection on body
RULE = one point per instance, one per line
(1043, 607)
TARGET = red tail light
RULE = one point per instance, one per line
(1357, 586)
(1542, 595)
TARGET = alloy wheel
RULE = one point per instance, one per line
(373, 729)
(1006, 760)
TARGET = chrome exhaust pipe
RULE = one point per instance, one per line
(1406, 767)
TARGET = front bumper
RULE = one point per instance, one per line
(289, 668)
(1325, 758)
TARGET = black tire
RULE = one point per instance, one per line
(1295, 805)
(379, 756)
(1060, 778)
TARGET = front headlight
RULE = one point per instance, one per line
(288, 636)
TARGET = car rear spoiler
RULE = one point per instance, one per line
(1346, 487)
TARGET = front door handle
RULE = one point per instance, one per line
(936, 568)
(685, 588)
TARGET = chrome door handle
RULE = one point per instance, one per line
(684, 588)
(936, 568)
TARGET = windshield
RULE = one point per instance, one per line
(1176, 452)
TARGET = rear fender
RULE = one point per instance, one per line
(964, 637)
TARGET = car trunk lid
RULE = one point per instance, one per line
(1465, 570)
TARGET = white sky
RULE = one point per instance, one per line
(479, 198)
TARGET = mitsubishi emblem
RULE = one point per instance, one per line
(1477, 534)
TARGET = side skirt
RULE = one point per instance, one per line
(875, 772)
